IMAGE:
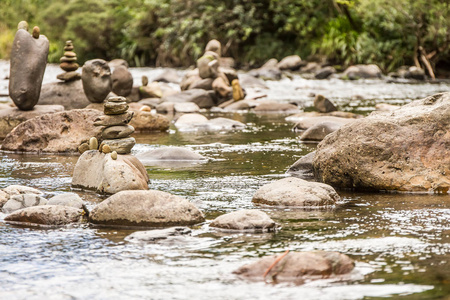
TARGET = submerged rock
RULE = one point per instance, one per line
(245, 220)
(147, 209)
(11, 117)
(158, 234)
(319, 131)
(296, 192)
(297, 267)
(170, 153)
(99, 171)
(59, 132)
(51, 215)
(403, 150)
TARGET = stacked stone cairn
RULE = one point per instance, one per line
(69, 64)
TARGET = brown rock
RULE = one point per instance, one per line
(69, 66)
(117, 132)
(69, 94)
(147, 121)
(52, 215)
(297, 267)
(60, 132)
(146, 208)
(115, 108)
(121, 146)
(111, 120)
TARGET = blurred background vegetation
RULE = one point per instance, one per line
(175, 32)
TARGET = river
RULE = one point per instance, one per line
(400, 242)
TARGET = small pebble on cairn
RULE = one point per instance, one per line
(69, 64)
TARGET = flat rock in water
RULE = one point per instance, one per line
(190, 120)
(292, 63)
(146, 209)
(218, 124)
(296, 192)
(67, 199)
(60, 132)
(20, 201)
(200, 97)
(157, 234)
(96, 170)
(11, 117)
(363, 71)
(319, 131)
(401, 150)
(51, 215)
(273, 106)
(170, 154)
(21, 189)
(245, 220)
(297, 267)
(148, 121)
(68, 94)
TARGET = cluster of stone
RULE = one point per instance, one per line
(69, 64)
(117, 131)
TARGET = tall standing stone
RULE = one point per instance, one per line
(28, 61)
(96, 78)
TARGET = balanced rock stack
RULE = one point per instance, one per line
(69, 64)
(116, 135)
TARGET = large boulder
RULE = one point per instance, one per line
(68, 94)
(59, 132)
(404, 150)
(96, 78)
(49, 215)
(146, 208)
(201, 97)
(296, 192)
(28, 61)
(99, 171)
(297, 267)
(245, 220)
(363, 71)
(11, 117)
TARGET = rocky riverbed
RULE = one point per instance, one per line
(400, 242)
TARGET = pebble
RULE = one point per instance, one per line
(83, 148)
(114, 155)
(93, 144)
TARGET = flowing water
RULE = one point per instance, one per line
(400, 242)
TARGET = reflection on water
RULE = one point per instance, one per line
(401, 242)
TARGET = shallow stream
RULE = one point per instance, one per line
(400, 242)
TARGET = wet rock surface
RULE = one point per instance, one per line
(98, 171)
(403, 150)
(50, 215)
(296, 192)
(146, 209)
(297, 267)
(158, 234)
(20, 201)
(170, 153)
(245, 220)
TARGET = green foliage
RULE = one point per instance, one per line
(175, 32)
